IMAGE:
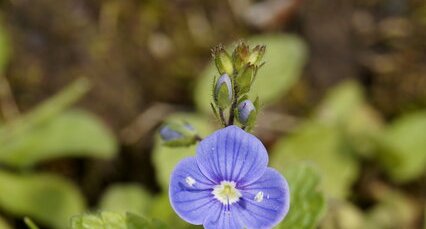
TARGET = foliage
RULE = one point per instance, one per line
(47, 198)
(72, 133)
(124, 198)
(402, 147)
(112, 220)
(307, 203)
(344, 108)
(322, 146)
(3, 224)
(50, 131)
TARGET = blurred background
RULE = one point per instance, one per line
(84, 85)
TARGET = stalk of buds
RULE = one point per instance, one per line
(237, 74)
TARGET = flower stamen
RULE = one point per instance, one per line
(226, 192)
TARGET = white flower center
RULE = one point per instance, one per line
(226, 192)
(190, 181)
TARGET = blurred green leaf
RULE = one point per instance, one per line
(4, 47)
(30, 224)
(403, 147)
(113, 220)
(136, 222)
(323, 146)
(345, 108)
(73, 133)
(394, 210)
(307, 203)
(285, 57)
(362, 129)
(3, 224)
(344, 215)
(340, 102)
(45, 111)
(166, 158)
(124, 198)
(44, 197)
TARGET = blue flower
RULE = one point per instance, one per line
(228, 185)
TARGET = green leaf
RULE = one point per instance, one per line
(307, 203)
(323, 146)
(345, 108)
(124, 198)
(394, 210)
(340, 102)
(73, 133)
(136, 222)
(45, 111)
(113, 220)
(362, 129)
(285, 57)
(30, 224)
(403, 147)
(46, 198)
(344, 215)
(166, 158)
(4, 47)
(4, 224)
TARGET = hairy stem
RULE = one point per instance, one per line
(222, 117)
(233, 106)
(198, 138)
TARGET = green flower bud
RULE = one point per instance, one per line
(222, 60)
(245, 78)
(223, 92)
(257, 54)
(240, 55)
(178, 134)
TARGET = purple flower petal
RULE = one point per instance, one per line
(232, 154)
(190, 192)
(222, 219)
(265, 202)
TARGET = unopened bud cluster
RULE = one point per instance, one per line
(237, 73)
(178, 134)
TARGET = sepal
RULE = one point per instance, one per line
(222, 60)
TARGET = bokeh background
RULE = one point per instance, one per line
(84, 86)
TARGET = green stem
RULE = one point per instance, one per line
(222, 117)
(233, 106)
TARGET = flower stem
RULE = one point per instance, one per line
(233, 106)
(198, 138)
(222, 117)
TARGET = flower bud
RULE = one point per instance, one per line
(256, 55)
(240, 55)
(244, 79)
(223, 92)
(178, 134)
(223, 60)
(246, 112)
